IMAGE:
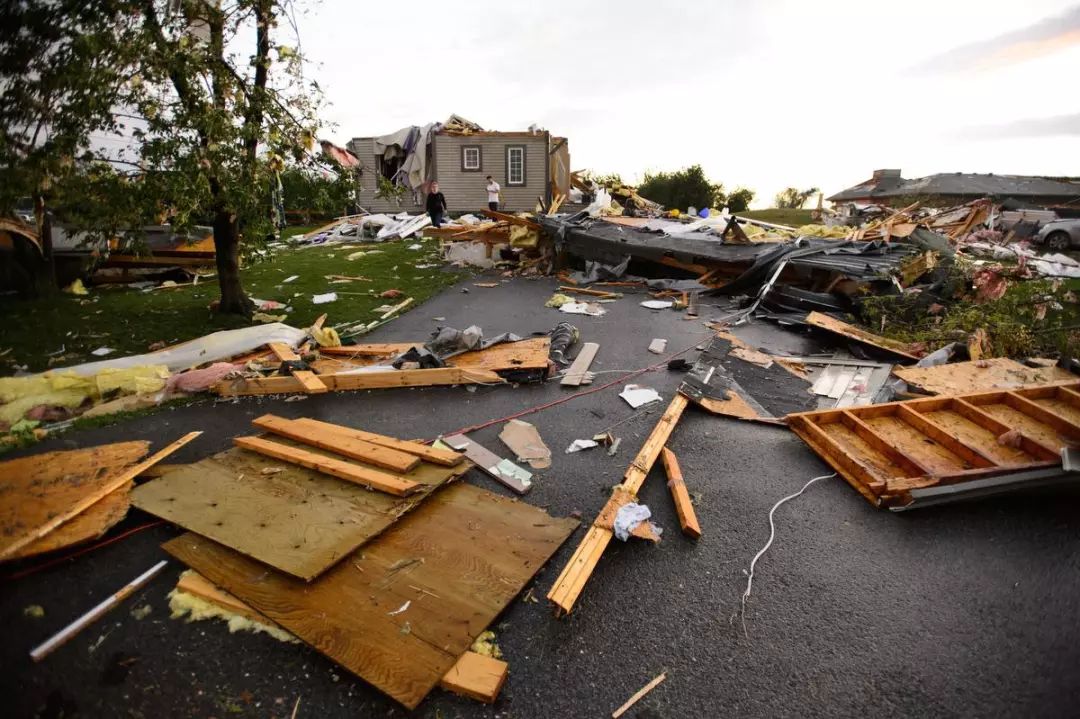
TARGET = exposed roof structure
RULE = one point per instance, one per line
(960, 184)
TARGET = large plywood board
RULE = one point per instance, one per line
(979, 376)
(401, 611)
(35, 489)
(294, 519)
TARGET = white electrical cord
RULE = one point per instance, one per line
(772, 535)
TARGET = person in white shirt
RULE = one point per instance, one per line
(493, 194)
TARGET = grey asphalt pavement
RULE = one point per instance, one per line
(968, 610)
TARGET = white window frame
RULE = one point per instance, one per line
(510, 181)
(475, 151)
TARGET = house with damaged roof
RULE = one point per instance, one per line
(887, 187)
(396, 170)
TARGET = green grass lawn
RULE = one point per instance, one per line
(795, 218)
(129, 320)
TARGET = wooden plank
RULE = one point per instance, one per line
(1026, 425)
(992, 424)
(683, 506)
(283, 352)
(294, 519)
(646, 456)
(568, 587)
(361, 381)
(310, 382)
(576, 374)
(879, 463)
(971, 454)
(339, 443)
(910, 464)
(851, 466)
(987, 374)
(468, 552)
(28, 533)
(800, 425)
(195, 584)
(488, 462)
(974, 435)
(527, 354)
(936, 457)
(825, 322)
(382, 481)
(423, 451)
(571, 581)
(1041, 414)
(476, 676)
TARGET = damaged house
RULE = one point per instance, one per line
(887, 187)
(396, 169)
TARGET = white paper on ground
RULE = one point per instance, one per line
(657, 304)
(579, 444)
(582, 308)
(636, 395)
(102, 351)
(323, 298)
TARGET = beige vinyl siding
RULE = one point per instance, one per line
(466, 191)
(364, 149)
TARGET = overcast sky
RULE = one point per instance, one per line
(764, 94)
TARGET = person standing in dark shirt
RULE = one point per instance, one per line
(436, 205)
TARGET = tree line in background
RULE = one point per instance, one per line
(208, 97)
(792, 198)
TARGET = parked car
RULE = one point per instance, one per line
(1060, 235)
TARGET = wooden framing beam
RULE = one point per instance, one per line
(939, 434)
(339, 443)
(571, 581)
(429, 454)
(887, 448)
(576, 374)
(683, 506)
(390, 483)
(360, 381)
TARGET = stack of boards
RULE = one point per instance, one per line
(361, 545)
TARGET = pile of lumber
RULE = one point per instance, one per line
(953, 222)
(346, 368)
(361, 545)
(571, 581)
(495, 231)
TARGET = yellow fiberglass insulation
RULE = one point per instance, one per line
(67, 389)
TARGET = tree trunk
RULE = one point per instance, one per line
(227, 250)
(43, 273)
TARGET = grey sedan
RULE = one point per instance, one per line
(1060, 235)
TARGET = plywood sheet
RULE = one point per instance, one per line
(457, 561)
(297, 520)
(825, 322)
(980, 376)
(35, 489)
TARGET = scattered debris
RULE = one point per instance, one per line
(524, 440)
(638, 396)
(67, 633)
(579, 444)
(657, 346)
(324, 298)
(638, 695)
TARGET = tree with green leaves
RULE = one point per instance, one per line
(683, 188)
(792, 198)
(739, 199)
(209, 121)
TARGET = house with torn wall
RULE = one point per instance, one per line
(460, 154)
